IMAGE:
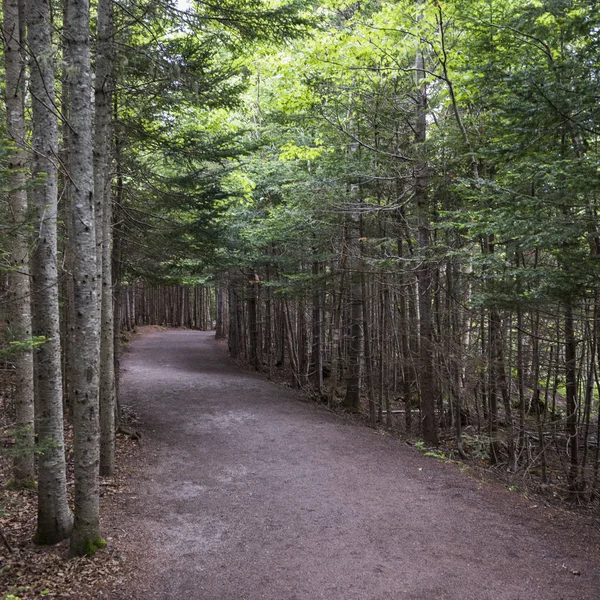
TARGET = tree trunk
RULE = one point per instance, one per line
(368, 345)
(86, 446)
(19, 319)
(220, 314)
(54, 516)
(352, 398)
(234, 333)
(426, 372)
(571, 388)
(317, 333)
(253, 319)
(103, 194)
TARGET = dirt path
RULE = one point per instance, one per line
(246, 493)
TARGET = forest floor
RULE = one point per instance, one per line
(243, 491)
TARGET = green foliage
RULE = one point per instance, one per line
(16, 347)
(421, 447)
(21, 445)
(43, 446)
(183, 74)
(435, 454)
(243, 154)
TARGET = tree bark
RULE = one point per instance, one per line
(103, 194)
(86, 447)
(352, 398)
(253, 319)
(19, 318)
(234, 333)
(54, 521)
(426, 372)
(317, 332)
(571, 389)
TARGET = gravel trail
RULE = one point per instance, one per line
(243, 492)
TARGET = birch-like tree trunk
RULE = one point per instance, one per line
(103, 194)
(54, 516)
(19, 320)
(85, 364)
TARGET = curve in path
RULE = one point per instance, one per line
(249, 494)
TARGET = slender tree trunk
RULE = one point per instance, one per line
(19, 319)
(536, 392)
(254, 346)
(66, 206)
(294, 362)
(117, 287)
(336, 326)
(302, 336)
(501, 384)
(456, 354)
(220, 315)
(571, 386)
(54, 516)
(317, 335)
(103, 194)
(589, 388)
(493, 388)
(352, 399)
(426, 371)
(268, 327)
(366, 329)
(368, 345)
(86, 446)
(234, 333)
(404, 346)
(521, 380)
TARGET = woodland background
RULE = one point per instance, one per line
(391, 205)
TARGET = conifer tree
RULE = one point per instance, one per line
(54, 515)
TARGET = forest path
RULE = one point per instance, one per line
(242, 492)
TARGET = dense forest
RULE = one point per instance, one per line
(391, 205)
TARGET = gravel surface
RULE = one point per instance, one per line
(243, 492)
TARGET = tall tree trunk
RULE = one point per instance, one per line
(368, 345)
(253, 308)
(234, 333)
(366, 329)
(536, 391)
(117, 287)
(86, 446)
(571, 388)
(336, 326)
(19, 320)
(521, 380)
(54, 516)
(352, 398)
(317, 332)
(500, 383)
(220, 313)
(426, 371)
(302, 336)
(268, 327)
(103, 194)
(65, 207)
(404, 346)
